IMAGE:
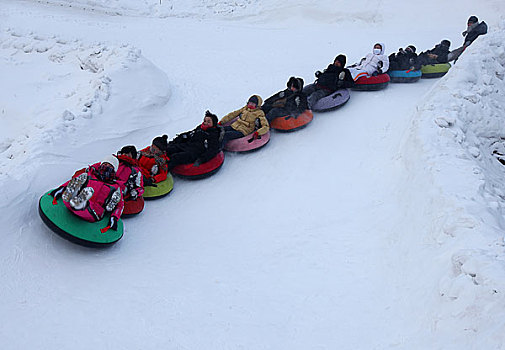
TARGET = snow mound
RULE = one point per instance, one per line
(59, 89)
(458, 137)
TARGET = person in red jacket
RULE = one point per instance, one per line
(153, 161)
(128, 175)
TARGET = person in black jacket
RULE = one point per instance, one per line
(439, 54)
(404, 59)
(333, 78)
(196, 146)
(473, 30)
(291, 101)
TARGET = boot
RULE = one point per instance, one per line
(74, 186)
(114, 200)
(81, 200)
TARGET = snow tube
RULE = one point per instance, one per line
(188, 171)
(372, 83)
(69, 226)
(405, 76)
(289, 123)
(435, 70)
(333, 101)
(247, 143)
(133, 207)
(161, 190)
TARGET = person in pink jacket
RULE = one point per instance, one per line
(376, 62)
(94, 192)
(129, 177)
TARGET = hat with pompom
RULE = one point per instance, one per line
(473, 19)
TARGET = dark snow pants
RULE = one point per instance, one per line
(314, 94)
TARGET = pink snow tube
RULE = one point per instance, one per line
(246, 143)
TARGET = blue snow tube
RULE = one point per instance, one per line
(405, 76)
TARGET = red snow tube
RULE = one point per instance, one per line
(206, 169)
(133, 207)
(372, 83)
(289, 123)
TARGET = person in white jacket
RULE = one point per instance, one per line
(376, 61)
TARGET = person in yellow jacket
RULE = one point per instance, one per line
(251, 120)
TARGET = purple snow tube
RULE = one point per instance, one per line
(333, 101)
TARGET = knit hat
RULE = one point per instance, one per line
(296, 82)
(129, 149)
(412, 47)
(473, 19)
(342, 59)
(253, 99)
(445, 42)
(213, 117)
(161, 142)
(112, 161)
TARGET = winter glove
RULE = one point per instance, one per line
(255, 136)
(154, 169)
(464, 33)
(133, 195)
(297, 101)
(57, 192)
(379, 67)
(113, 223)
(339, 84)
(197, 162)
(318, 73)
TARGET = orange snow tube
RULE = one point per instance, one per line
(289, 123)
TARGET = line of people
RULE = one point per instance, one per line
(105, 186)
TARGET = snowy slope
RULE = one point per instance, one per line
(449, 152)
(376, 227)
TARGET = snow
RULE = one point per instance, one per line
(379, 226)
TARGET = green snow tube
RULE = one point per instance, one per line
(71, 227)
(161, 190)
(435, 70)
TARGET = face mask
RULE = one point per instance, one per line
(376, 51)
(204, 127)
(107, 173)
